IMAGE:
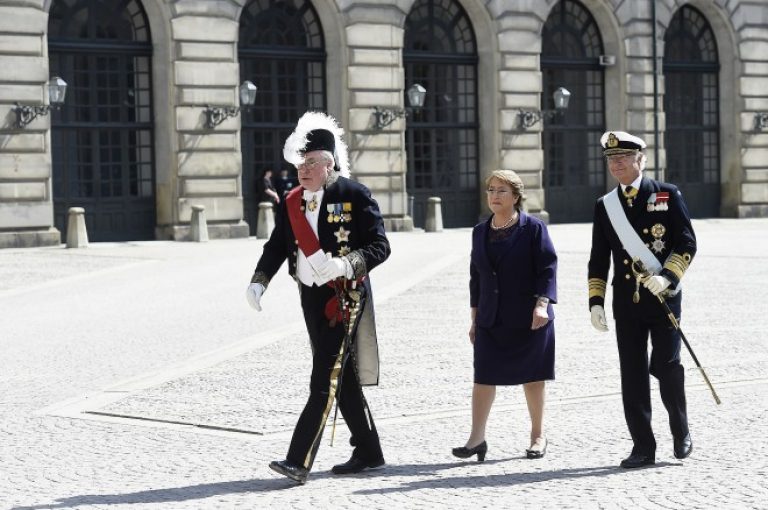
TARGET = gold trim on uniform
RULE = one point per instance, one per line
(597, 287)
(677, 265)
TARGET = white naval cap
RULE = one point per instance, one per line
(617, 142)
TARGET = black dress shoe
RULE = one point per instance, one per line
(291, 470)
(356, 465)
(637, 460)
(463, 452)
(683, 447)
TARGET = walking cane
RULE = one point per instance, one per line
(642, 274)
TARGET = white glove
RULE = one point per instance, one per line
(334, 267)
(598, 318)
(253, 295)
(656, 284)
(317, 260)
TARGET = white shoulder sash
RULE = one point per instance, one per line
(627, 235)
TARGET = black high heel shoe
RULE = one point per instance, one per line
(463, 452)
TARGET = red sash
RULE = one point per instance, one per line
(302, 231)
(309, 244)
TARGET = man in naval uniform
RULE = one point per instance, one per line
(332, 233)
(646, 220)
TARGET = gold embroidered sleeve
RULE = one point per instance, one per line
(260, 277)
(357, 261)
(678, 264)
(597, 288)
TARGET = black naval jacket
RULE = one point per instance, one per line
(664, 226)
(347, 206)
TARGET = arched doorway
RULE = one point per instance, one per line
(281, 49)
(102, 138)
(574, 172)
(691, 107)
(440, 53)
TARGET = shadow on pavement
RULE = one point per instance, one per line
(507, 479)
(203, 491)
(169, 495)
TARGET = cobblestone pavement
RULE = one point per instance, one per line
(134, 375)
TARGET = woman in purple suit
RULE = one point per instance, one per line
(512, 288)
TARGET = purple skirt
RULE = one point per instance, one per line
(506, 356)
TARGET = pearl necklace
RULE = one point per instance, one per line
(511, 220)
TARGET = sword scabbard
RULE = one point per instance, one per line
(711, 388)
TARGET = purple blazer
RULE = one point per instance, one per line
(527, 269)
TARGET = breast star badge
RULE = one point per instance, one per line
(342, 236)
(657, 246)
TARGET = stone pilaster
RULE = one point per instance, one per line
(376, 78)
(753, 88)
(205, 163)
(26, 208)
(520, 84)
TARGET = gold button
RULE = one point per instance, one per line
(295, 241)
(645, 231)
(302, 207)
(626, 262)
(626, 276)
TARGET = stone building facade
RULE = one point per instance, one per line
(131, 145)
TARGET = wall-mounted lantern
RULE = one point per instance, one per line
(529, 118)
(57, 91)
(215, 115)
(383, 116)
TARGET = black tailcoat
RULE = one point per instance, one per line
(349, 225)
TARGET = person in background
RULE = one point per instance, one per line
(267, 189)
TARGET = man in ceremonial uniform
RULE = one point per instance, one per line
(332, 233)
(646, 220)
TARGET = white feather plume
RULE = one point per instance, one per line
(295, 143)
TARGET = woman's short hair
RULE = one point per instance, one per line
(514, 181)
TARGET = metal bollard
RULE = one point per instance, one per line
(434, 221)
(198, 229)
(77, 235)
(265, 222)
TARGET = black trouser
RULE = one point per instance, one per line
(632, 336)
(327, 357)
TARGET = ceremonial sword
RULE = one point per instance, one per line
(348, 322)
(642, 274)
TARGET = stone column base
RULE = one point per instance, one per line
(752, 211)
(30, 238)
(398, 224)
(215, 231)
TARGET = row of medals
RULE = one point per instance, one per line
(336, 212)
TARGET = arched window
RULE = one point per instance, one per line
(442, 140)
(102, 138)
(281, 50)
(574, 172)
(691, 109)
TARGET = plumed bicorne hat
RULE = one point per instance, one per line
(620, 142)
(317, 131)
